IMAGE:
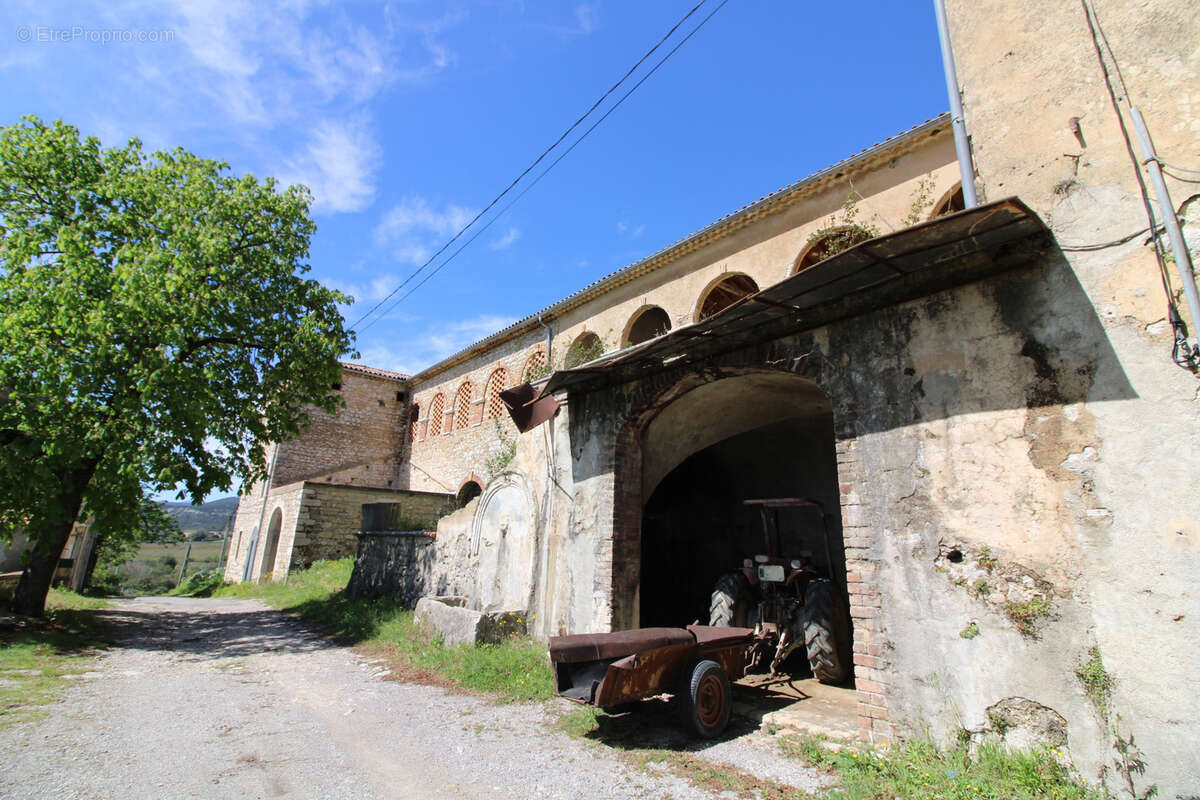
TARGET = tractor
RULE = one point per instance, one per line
(788, 600)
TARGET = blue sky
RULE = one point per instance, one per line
(406, 118)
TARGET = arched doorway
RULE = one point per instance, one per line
(271, 548)
(467, 492)
(760, 435)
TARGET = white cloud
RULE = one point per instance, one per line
(586, 21)
(507, 240)
(338, 163)
(425, 344)
(630, 230)
(414, 229)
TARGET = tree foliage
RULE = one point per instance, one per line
(154, 325)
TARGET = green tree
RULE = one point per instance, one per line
(115, 546)
(154, 326)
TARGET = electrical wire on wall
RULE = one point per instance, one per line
(1182, 352)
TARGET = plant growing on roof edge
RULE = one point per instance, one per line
(841, 233)
(154, 325)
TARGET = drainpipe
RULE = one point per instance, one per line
(961, 144)
(548, 592)
(1183, 259)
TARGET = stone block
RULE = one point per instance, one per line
(456, 624)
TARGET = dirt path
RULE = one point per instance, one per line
(229, 699)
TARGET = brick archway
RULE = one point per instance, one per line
(620, 578)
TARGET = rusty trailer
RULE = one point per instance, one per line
(695, 664)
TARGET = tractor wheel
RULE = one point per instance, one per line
(732, 602)
(704, 699)
(825, 629)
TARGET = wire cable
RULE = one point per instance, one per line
(536, 161)
(544, 172)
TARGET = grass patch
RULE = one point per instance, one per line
(39, 657)
(970, 631)
(920, 770)
(514, 670)
(1025, 615)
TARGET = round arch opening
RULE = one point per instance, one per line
(723, 293)
(753, 436)
(950, 202)
(830, 244)
(649, 322)
(467, 492)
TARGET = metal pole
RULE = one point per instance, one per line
(1183, 259)
(961, 145)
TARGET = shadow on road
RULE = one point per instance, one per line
(202, 634)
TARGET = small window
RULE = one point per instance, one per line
(725, 293)
(535, 366)
(830, 244)
(650, 322)
(951, 202)
(414, 420)
(435, 414)
(462, 405)
(586, 347)
(496, 383)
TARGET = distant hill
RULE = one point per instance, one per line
(211, 516)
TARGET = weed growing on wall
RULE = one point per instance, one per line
(970, 631)
(1096, 682)
(502, 452)
(920, 202)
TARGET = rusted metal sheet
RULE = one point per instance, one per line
(526, 407)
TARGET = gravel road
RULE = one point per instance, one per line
(224, 698)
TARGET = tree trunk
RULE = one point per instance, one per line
(48, 540)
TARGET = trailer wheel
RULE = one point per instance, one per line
(825, 627)
(732, 602)
(704, 699)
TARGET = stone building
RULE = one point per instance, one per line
(985, 402)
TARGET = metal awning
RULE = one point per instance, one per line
(930, 257)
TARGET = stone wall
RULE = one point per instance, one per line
(361, 445)
(394, 565)
(330, 518)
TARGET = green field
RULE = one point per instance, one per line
(155, 568)
(201, 551)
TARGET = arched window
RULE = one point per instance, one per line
(462, 406)
(435, 414)
(647, 323)
(414, 420)
(586, 347)
(497, 382)
(951, 201)
(535, 366)
(724, 293)
(830, 244)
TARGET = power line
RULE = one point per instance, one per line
(539, 159)
(541, 175)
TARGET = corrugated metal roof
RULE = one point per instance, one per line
(932, 256)
(665, 255)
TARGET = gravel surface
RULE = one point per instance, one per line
(224, 698)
